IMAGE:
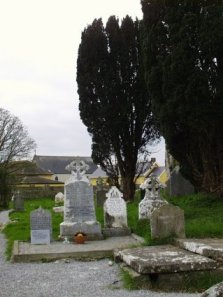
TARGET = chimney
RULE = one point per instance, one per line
(153, 160)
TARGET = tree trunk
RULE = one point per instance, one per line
(128, 188)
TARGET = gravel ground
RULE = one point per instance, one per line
(60, 279)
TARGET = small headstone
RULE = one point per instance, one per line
(168, 220)
(59, 197)
(18, 201)
(177, 185)
(115, 214)
(41, 227)
(152, 199)
(79, 211)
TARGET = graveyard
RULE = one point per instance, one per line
(161, 242)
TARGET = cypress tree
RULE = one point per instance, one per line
(114, 103)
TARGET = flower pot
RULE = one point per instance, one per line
(80, 238)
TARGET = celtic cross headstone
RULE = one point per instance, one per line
(79, 211)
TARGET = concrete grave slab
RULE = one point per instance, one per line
(163, 259)
(208, 247)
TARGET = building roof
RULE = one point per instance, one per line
(98, 173)
(39, 180)
(157, 171)
(57, 164)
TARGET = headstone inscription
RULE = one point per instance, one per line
(152, 199)
(168, 220)
(79, 212)
(41, 226)
(18, 201)
(115, 214)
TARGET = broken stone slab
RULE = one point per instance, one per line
(215, 291)
(208, 247)
(163, 259)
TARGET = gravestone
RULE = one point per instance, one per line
(177, 185)
(152, 199)
(18, 201)
(59, 197)
(41, 227)
(79, 211)
(115, 214)
(168, 220)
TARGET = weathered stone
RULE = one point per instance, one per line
(152, 199)
(18, 201)
(208, 247)
(215, 291)
(59, 197)
(168, 220)
(41, 227)
(163, 259)
(115, 212)
(79, 212)
(177, 185)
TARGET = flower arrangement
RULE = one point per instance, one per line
(80, 237)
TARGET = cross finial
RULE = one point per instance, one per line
(77, 168)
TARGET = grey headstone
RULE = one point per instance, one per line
(18, 201)
(152, 199)
(79, 211)
(177, 185)
(168, 220)
(41, 226)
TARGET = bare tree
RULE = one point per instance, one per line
(15, 144)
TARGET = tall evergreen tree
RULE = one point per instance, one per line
(183, 41)
(114, 103)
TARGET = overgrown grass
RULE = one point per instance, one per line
(203, 214)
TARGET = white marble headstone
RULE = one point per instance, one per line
(115, 213)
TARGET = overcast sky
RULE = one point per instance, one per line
(39, 43)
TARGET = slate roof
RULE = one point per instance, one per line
(57, 164)
(157, 171)
(39, 180)
(98, 173)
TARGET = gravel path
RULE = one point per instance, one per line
(60, 279)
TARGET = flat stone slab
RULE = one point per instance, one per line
(25, 252)
(208, 247)
(163, 259)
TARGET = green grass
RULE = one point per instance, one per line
(203, 218)
(203, 214)
(19, 229)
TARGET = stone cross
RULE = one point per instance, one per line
(152, 199)
(77, 169)
(152, 186)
